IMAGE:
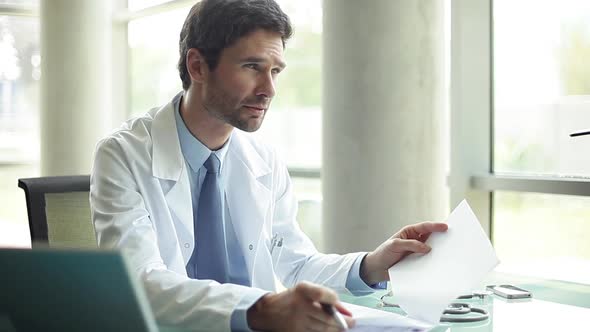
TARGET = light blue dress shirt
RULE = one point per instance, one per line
(195, 154)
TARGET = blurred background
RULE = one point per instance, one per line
(536, 85)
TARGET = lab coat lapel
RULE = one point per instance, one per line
(248, 195)
(179, 200)
(169, 166)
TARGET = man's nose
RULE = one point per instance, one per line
(266, 86)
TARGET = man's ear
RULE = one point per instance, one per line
(196, 66)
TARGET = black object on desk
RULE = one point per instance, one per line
(580, 133)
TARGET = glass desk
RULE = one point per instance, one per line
(555, 306)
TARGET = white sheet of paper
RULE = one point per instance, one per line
(423, 285)
(373, 320)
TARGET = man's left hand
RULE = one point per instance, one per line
(408, 240)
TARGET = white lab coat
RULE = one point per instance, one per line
(141, 203)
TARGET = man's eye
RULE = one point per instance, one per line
(251, 66)
(276, 71)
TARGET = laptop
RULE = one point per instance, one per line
(70, 290)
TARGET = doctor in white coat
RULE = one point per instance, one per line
(148, 174)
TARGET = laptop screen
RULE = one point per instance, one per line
(70, 290)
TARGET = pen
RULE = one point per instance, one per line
(330, 310)
(273, 242)
(275, 258)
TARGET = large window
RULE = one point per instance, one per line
(19, 120)
(520, 84)
(541, 94)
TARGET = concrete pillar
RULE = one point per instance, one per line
(384, 159)
(75, 83)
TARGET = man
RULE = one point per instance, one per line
(198, 206)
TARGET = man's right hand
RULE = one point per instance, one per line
(297, 309)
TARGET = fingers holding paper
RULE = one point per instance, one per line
(410, 239)
(420, 231)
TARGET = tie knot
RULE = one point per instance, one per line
(212, 163)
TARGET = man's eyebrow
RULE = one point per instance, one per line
(255, 59)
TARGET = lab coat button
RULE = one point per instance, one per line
(250, 247)
(186, 245)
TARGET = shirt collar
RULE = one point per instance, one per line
(195, 152)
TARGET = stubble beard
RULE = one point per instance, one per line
(222, 106)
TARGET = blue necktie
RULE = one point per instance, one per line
(210, 250)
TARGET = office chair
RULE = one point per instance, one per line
(59, 211)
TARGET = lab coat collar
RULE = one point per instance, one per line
(195, 153)
(167, 160)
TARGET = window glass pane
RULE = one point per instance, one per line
(543, 235)
(541, 86)
(293, 123)
(153, 47)
(19, 122)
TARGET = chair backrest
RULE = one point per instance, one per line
(59, 211)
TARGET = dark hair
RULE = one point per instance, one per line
(213, 25)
